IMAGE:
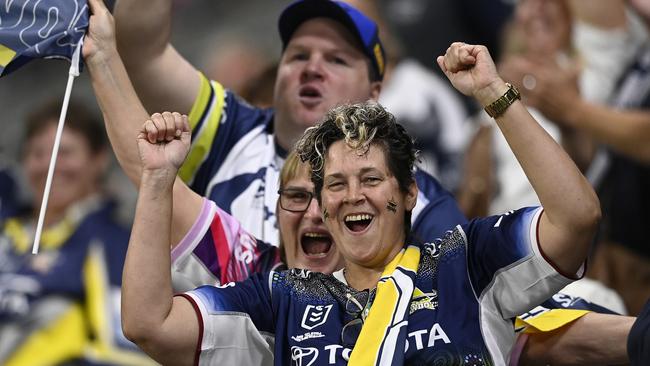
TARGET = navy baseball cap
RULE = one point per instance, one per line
(364, 29)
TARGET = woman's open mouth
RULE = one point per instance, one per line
(315, 244)
(359, 222)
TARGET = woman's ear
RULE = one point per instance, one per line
(411, 196)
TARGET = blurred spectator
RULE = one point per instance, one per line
(62, 305)
(620, 170)
(542, 33)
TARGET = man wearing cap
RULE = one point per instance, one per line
(331, 55)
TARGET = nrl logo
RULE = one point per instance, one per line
(315, 315)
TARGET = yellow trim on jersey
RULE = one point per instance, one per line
(52, 237)
(201, 103)
(19, 238)
(549, 320)
(47, 346)
(97, 296)
(99, 311)
(202, 140)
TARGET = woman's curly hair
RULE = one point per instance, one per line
(359, 125)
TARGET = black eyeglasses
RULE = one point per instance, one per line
(357, 305)
(295, 200)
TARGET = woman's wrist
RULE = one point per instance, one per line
(101, 57)
(490, 93)
(159, 177)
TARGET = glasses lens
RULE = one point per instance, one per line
(295, 199)
(350, 333)
(357, 302)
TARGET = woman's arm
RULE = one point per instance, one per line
(165, 327)
(123, 113)
(571, 207)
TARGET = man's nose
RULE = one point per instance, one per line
(313, 67)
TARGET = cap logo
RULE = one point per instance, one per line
(379, 58)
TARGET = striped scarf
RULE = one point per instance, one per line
(384, 331)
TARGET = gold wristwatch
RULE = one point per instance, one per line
(496, 108)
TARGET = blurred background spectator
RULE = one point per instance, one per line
(567, 58)
(63, 304)
(620, 169)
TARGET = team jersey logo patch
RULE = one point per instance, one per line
(315, 315)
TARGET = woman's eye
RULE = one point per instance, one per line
(335, 185)
(297, 196)
(300, 197)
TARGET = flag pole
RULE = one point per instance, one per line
(72, 73)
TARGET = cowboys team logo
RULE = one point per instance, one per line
(315, 315)
(303, 356)
(423, 300)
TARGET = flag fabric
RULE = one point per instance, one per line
(39, 29)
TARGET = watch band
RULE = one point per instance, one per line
(496, 108)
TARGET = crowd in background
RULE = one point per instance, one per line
(575, 65)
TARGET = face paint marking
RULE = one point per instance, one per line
(392, 206)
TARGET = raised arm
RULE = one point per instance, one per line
(571, 208)
(163, 79)
(594, 339)
(123, 112)
(165, 327)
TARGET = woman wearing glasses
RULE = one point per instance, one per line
(449, 301)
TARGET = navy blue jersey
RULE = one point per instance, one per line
(469, 285)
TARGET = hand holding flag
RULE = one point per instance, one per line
(39, 29)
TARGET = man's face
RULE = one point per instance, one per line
(320, 68)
